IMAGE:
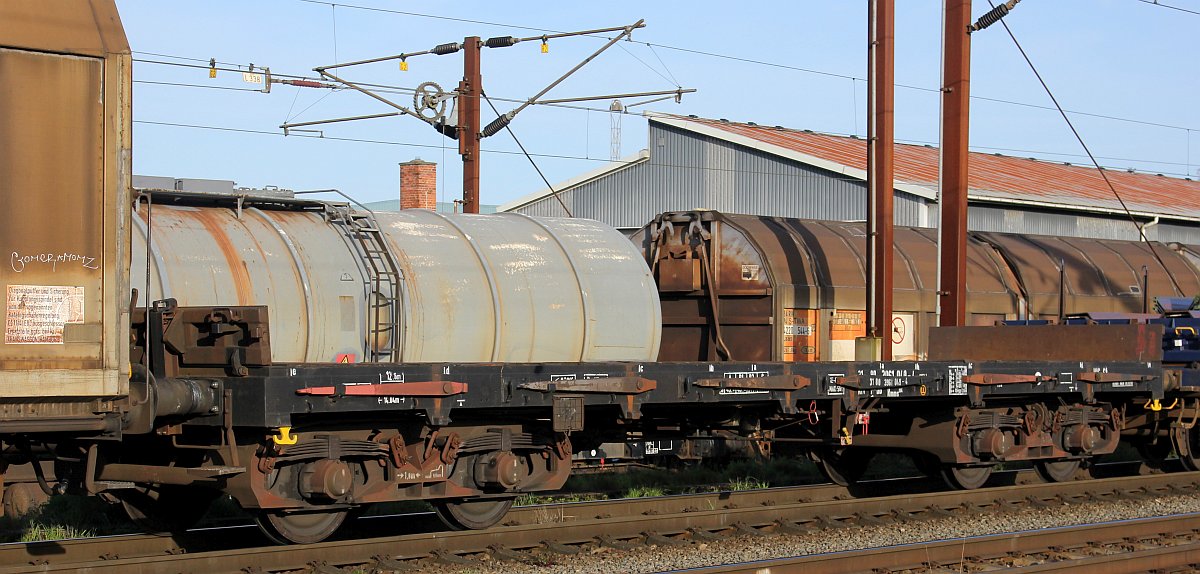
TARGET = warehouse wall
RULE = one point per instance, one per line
(1014, 219)
(688, 171)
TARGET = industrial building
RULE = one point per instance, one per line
(698, 163)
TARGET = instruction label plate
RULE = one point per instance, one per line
(36, 314)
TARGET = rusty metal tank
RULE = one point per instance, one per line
(1102, 275)
(1190, 253)
(471, 288)
(65, 166)
(794, 290)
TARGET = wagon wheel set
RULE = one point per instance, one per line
(1059, 442)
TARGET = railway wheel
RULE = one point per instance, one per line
(304, 527)
(927, 464)
(843, 468)
(1056, 470)
(472, 514)
(1187, 445)
(166, 508)
(1154, 455)
(966, 477)
(22, 498)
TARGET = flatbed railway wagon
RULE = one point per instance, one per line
(162, 400)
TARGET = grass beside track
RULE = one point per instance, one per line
(640, 483)
(67, 517)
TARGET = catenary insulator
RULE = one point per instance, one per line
(994, 15)
(496, 125)
(500, 42)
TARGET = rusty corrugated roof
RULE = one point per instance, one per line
(992, 176)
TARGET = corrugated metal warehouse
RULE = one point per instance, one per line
(697, 163)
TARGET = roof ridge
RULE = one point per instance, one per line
(854, 137)
(994, 176)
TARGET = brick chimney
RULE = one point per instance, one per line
(418, 185)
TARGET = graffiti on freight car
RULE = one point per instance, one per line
(20, 262)
(37, 314)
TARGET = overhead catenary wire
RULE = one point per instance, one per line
(756, 61)
(521, 27)
(237, 68)
(650, 46)
(1161, 5)
(1088, 151)
(496, 42)
(619, 164)
(202, 86)
(649, 67)
(295, 98)
(310, 106)
(385, 88)
(549, 186)
(205, 61)
(492, 151)
(333, 16)
(420, 15)
(222, 67)
(388, 88)
(664, 64)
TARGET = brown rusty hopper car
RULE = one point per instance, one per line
(794, 290)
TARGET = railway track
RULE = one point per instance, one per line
(1162, 544)
(568, 528)
(240, 536)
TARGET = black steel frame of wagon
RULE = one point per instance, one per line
(270, 396)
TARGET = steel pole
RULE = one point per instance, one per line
(952, 184)
(880, 189)
(470, 94)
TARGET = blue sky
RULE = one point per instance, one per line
(1120, 58)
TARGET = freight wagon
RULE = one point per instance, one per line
(488, 350)
(760, 288)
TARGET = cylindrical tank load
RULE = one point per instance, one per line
(456, 288)
(758, 288)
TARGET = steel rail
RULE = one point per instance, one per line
(1103, 548)
(679, 526)
(239, 535)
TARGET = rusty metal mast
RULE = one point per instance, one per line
(952, 166)
(471, 90)
(880, 126)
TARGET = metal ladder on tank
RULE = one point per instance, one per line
(382, 278)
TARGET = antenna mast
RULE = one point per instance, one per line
(617, 112)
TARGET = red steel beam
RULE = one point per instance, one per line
(880, 188)
(471, 90)
(952, 186)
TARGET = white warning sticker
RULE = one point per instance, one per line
(955, 375)
(36, 314)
